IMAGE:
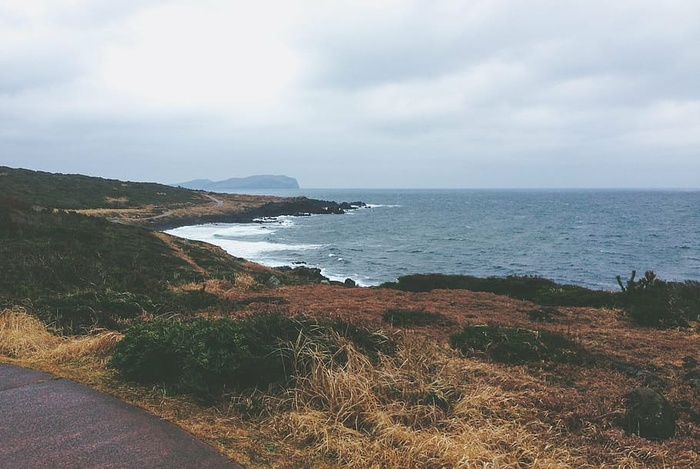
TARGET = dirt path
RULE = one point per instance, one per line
(167, 239)
(218, 202)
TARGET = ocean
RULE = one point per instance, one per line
(580, 237)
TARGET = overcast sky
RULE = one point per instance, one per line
(480, 93)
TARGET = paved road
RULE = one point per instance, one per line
(47, 422)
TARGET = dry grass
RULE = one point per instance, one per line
(222, 204)
(417, 409)
(116, 200)
(245, 282)
(22, 335)
(23, 338)
(424, 407)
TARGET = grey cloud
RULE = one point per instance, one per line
(526, 94)
(40, 70)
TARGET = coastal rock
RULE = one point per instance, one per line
(649, 414)
(302, 274)
(292, 206)
(350, 283)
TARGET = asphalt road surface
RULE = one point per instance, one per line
(46, 422)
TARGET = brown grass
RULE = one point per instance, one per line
(220, 204)
(424, 407)
(418, 409)
(22, 335)
(26, 340)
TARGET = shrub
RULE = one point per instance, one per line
(515, 344)
(205, 357)
(413, 318)
(653, 302)
(536, 289)
(186, 301)
(81, 312)
(201, 357)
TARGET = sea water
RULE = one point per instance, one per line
(581, 237)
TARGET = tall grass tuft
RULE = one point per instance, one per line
(23, 336)
(416, 408)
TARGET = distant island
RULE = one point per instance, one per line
(264, 181)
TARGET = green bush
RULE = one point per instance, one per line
(81, 312)
(413, 318)
(186, 301)
(515, 344)
(653, 302)
(205, 357)
(536, 289)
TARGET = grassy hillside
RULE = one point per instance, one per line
(430, 371)
(79, 271)
(74, 191)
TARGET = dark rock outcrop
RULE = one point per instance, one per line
(302, 275)
(294, 206)
(649, 414)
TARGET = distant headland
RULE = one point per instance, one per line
(264, 181)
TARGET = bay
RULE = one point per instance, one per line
(581, 237)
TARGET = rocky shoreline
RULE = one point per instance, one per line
(293, 206)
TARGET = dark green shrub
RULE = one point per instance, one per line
(535, 289)
(195, 356)
(653, 302)
(186, 301)
(414, 318)
(82, 311)
(515, 344)
(207, 357)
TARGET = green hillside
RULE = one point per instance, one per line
(74, 191)
(77, 272)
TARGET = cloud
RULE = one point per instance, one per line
(504, 91)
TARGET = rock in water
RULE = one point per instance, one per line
(649, 414)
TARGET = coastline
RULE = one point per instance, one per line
(226, 211)
(106, 281)
(223, 208)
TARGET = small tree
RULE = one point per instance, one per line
(649, 301)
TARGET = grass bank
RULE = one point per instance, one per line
(422, 404)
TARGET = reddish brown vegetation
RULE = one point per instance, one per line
(582, 403)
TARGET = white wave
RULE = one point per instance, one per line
(211, 231)
(215, 230)
(235, 239)
(383, 206)
(359, 280)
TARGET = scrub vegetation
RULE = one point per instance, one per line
(431, 371)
